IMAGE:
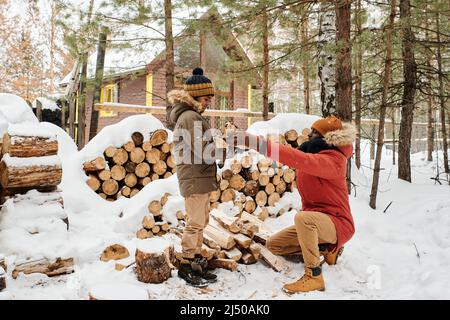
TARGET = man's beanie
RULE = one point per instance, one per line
(198, 85)
(327, 124)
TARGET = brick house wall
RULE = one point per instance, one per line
(133, 91)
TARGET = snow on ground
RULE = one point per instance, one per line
(402, 253)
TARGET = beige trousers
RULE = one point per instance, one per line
(310, 229)
(197, 211)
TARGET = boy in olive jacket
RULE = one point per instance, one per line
(195, 157)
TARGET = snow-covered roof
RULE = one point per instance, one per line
(46, 104)
(14, 109)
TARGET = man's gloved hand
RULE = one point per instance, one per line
(221, 156)
(242, 139)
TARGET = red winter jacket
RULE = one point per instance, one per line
(321, 178)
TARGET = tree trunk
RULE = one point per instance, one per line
(170, 65)
(101, 51)
(430, 129)
(305, 63)
(327, 58)
(441, 96)
(265, 88)
(82, 90)
(409, 91)
(154, 266)
(383, 107)
(358, 85)
(39, 110)
(343, 61)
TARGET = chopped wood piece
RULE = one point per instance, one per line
(227, 174)
(137, 155)
(120, 156)
(110, 187)
(160, 167)
(237, 182)
(272, 260)
(235, 166)
(130, 167)
(261, 198)
(93, 182)
(134, 192)
(233, 254)
(56, 268)
(264, 179)
(242, 240)
(281, 187)
(165, 198)
(248, 258)
(246, 162)
(158, 137)
(148, 222)
(146, 146)
(170, 162)
(155, 207)
(251, 188)
(228, 264)
(250, 206)
(104, 175)
(137, 138)
(144, 181)
(110, 151)
(223, 238)
(224, 184)
(273, 199)
(289, 175)
(142, 169)
(270, 188)
(129, 146)
(165, 147)
(126, 191)
(97, 164)
(114, 252)
(130, 180)
(118, 172)
(228, 195)
(214, 196)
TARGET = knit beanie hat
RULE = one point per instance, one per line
(198, 85)
(327, 124)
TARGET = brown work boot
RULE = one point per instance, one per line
(312, 280)
(331, 257)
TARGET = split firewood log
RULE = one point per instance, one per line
(114, 252)
(158, 137)
(97, 164)
(118, 172)
(138, 138)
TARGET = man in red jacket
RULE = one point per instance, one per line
(325, 218)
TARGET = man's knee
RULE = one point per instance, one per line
(303, 218)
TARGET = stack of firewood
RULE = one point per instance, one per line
(29, 161)
(154, 224)
(124, 171)
(228, 241)
(251, 185)
(291, 137)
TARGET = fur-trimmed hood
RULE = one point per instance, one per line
(342, 137)
(183, 97)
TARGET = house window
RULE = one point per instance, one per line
(109, 93)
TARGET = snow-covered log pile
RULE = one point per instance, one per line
(29, 159)
(124, 171)
(154, 223)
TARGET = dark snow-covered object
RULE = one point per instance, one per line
(51, 110)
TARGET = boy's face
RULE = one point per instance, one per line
(205, 101)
